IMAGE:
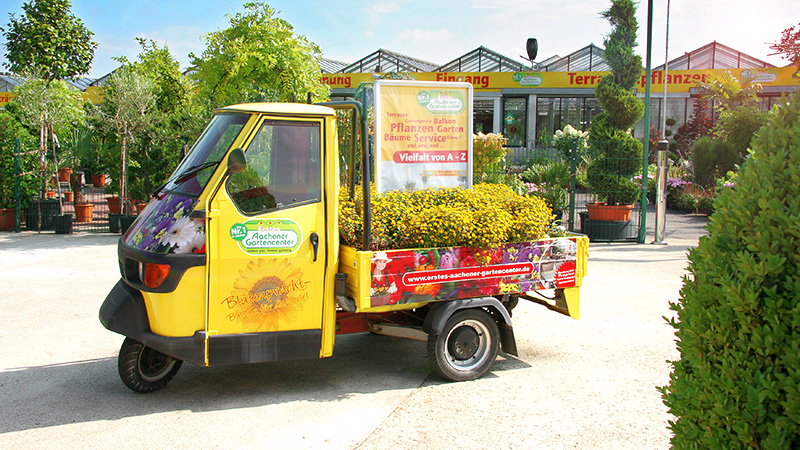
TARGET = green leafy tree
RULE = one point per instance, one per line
(176, 118)
(49, 41)
(128, 106)
(258, 58)
(737, 383)
(10, 130)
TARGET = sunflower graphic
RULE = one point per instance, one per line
(270, 293)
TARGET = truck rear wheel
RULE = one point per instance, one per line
(143, 369)
(467, 346)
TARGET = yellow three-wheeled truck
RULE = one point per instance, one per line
(237, 259)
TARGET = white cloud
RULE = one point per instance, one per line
(376, 11)
(427, 36)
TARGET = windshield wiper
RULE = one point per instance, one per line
(191, 171)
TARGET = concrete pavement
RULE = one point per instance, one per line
(576, 384)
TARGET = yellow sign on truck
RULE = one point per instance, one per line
(237, 259)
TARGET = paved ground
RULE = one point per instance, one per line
(587, 384)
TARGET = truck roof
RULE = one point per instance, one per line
(281, 108)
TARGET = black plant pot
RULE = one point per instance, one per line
(63, 224)
(608, 230)
(125, 222)
(113, 222)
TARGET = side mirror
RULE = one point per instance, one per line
(237, 162)
(183, 152)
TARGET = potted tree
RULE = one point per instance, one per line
(615, 153)
(128, 106)
(83, 208)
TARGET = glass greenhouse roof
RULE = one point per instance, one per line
(387, 61)
(588, 58)
(8, 81)
(714, 56)
(331, 66)
(483, 60)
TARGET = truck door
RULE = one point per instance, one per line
(267, 250)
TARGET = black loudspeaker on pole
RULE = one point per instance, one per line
(532, 46)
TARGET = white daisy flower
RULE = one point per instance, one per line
(181, 233)
(196, 243)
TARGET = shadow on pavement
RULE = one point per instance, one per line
(90, 390)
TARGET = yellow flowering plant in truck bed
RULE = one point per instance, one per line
(484, 217)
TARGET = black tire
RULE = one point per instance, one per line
(466, 347)
(143, 369)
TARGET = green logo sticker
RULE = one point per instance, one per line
(239, 231)
(444, 101)
(528, 78)
(267, 236)
(423, 98)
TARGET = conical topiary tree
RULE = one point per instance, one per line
(737, 384)
(615, 151)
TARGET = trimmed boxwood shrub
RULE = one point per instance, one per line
(737, 383)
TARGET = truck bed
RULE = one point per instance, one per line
(408, 278)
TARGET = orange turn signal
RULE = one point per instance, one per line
(155, 274)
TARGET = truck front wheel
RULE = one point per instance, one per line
(467, 346)
(143, 369)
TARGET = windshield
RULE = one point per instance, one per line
(193, 173)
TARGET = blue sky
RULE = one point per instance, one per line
(434, 30)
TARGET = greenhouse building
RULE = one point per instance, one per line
(525, 103)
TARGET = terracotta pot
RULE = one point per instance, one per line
(99, 180)
(601, 211)
(69, 196)
(139, 206)
(63, 174)
(51, 194)
(7, 219)
(83, 212)
(114, 204)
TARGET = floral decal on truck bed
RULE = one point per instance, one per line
(410, 276)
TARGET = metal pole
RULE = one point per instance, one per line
(661, 192)
(666, 70)
(646, 153)
(17, 187)
(573, 173)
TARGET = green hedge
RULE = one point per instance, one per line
(737, 383)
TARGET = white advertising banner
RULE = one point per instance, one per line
(423, 135)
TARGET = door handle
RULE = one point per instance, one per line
(314, 238)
